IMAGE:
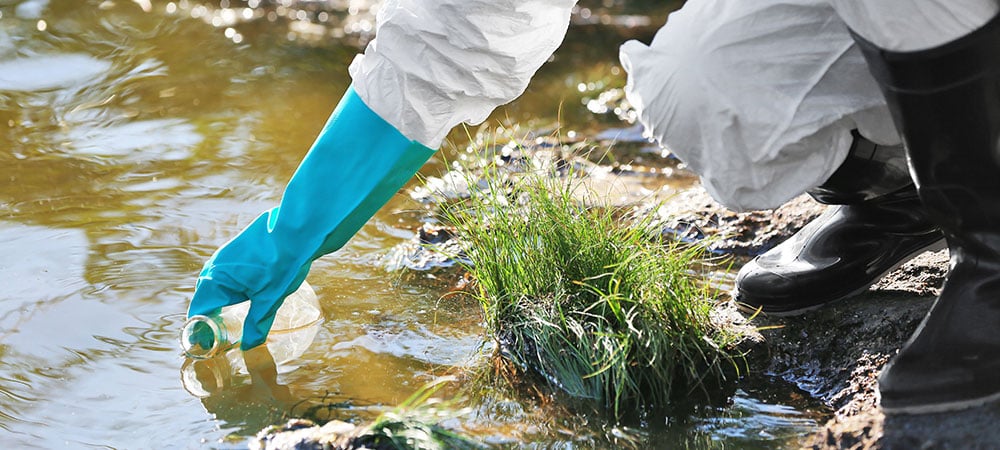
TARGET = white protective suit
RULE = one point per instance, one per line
(757, 97)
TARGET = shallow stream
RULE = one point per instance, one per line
(138, 136)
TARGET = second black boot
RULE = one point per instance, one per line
(946, 104)
(877, 225)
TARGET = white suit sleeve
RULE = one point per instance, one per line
(437, 63)
(920, 25)
(757, 97)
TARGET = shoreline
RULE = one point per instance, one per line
(836, 352)
(833, 354)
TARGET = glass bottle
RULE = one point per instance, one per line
(205, 337)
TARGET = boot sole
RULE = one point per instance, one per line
(942, 407)
(933, 247)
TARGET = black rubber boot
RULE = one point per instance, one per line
(878, 225)
(946, 104)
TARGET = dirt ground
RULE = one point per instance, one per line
(835, 353)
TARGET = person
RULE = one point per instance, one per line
(764, 100)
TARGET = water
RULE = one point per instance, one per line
(137, 136)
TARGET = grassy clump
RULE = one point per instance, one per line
(600, 309)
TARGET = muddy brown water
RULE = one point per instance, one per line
(137, 136)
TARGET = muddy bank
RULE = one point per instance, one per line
(833, 354)
(837, 352)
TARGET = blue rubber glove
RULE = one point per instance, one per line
(357, 163)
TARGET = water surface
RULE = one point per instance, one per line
(138, 136)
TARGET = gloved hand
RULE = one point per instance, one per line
(355, 166)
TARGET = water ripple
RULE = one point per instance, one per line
(47, 72)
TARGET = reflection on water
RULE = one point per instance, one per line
(243, 387)
(138, 136)
(36, 74)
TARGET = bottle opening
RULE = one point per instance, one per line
(202, 337)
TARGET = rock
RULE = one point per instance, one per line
(602, 182)
(431, 247)
(922, 275)
(632, 135)
(692, 215)
(872, 429)
(301, 434)
(835, 353)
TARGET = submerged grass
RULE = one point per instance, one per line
(415, 425)
(602, 310)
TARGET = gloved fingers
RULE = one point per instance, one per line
(222, 284)
(210, 296)
(258, 322)
(262, 312)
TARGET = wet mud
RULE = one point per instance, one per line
(835, 353)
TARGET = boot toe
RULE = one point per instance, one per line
(760, 287)
(788, 288)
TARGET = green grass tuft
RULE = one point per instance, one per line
(602, 310)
